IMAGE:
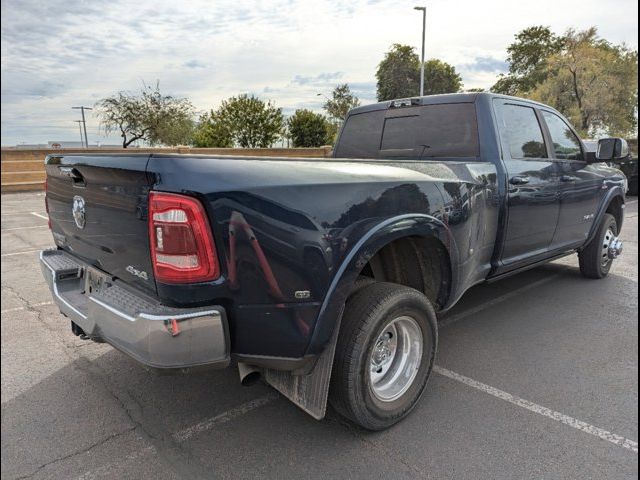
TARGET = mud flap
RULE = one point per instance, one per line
(309, 392)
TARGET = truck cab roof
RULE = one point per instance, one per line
(471, 97)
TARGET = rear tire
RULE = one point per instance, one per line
(384, 356)
(593, 260)
(361, 282)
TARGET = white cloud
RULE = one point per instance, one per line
(58, 54)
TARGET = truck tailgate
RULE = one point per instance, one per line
(97, 208)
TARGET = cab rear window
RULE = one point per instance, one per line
(442, 131)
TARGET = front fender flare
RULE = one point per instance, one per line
(602, 209)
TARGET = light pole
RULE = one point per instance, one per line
(323, 95)
(424, 25)
(84, 123)
(79, 122)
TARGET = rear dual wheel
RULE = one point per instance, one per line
(384, 356)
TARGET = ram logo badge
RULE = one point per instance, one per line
(78, 211)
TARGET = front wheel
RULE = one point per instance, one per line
(597, 257)
(385, 352)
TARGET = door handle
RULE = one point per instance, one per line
(568, 178)
(519, 180)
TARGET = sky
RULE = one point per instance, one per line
(57, 54)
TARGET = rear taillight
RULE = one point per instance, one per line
(182, 248)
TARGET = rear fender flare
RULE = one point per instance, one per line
(382, 234)
(310, 391)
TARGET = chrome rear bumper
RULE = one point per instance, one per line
(152, 333)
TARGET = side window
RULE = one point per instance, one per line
(519, 126)
(565, 143)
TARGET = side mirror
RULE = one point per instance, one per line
(610, 149)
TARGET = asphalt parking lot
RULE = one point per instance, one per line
(537, 377)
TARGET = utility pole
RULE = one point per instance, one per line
(84, 122)
(79, 122)
(424, 25)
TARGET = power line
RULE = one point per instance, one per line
(82, 108)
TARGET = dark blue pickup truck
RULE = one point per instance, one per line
(324, 276)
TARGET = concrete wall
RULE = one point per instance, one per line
(23, 169)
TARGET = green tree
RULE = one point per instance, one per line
(341, 101)
(440, 77)
(211, 132)
(527, 60)
(309, 129)
(593, 83)
(252, 123)
(149, 116)
(398, 75)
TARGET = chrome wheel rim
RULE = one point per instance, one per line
(609, 237)
(395, 358)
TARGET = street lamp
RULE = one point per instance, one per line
(84, 123)
(424, 23)
(79, 122)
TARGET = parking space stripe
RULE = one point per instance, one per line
(187, 433)
(21, 253)
(13, 214)
(40, 215)
(104, 469)
(540, 410)
(448, 320)
(18, 309)
(22, 228)
(227, 416)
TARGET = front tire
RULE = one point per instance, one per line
(594, 260)
(384, 356)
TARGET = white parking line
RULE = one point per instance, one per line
(448, 320)
(18, 309)
(13, 214)
(227, 416)
(187, 433)
(104, 470)
(40, 215)
(631, 202)
(22, 228)
(20, 253)
(540, 410)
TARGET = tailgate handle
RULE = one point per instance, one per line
(74, 174)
